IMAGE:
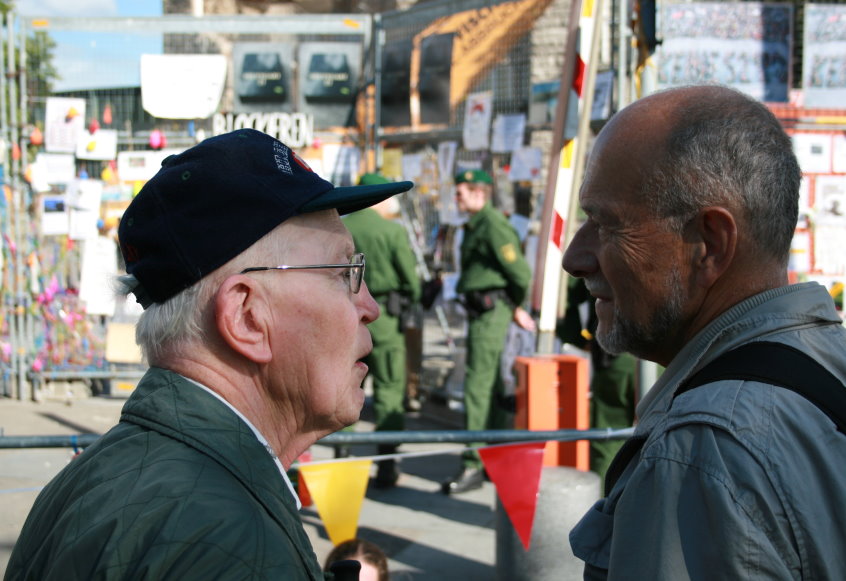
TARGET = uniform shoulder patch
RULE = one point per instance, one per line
(509, 252)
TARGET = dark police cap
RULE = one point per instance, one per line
(213, 201)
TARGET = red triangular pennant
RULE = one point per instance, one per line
(515, 470)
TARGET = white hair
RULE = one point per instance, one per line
(182, 322)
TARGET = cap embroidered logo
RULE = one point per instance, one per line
(280, 154)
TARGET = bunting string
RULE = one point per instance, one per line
(337, 486)
(609, 433)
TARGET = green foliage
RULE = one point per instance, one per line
(39, 63)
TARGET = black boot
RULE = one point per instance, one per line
(468, 479)
(342, 451)
(387, 472)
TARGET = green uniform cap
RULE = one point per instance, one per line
(473, 176)
(372, 179)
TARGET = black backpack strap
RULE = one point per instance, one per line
(781, 365)
(764, 361)
(629, 450)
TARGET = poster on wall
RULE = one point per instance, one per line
(340, 164)
(602, 91)
(263, 77)
(800, 252)
(543, 103)
(526, 164)
(824, 55)
(64, 122)
(508, 133)
(83, 199)
(477, 121)
(743, 45)
(813, 151)
(54, 215)
(412, 166)
(804, 202)
(99, 268)
(829, 241)
(51, 168)
(329, 75)
(396, 84)
(830, 198)
(140, 166)
(100, 145)
(838, 153)
(446, 159)
(392, 163)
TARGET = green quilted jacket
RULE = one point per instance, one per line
(179, 489)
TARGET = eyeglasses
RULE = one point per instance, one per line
(355, 266)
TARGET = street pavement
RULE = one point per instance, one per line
(426, 534)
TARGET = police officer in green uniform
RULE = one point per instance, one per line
(494, 280)
(392, 279)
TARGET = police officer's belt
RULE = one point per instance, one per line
(482, 301)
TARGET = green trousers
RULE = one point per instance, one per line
(483, 385)
(388, 370)
(612, 405)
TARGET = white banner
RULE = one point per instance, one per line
(182, 86)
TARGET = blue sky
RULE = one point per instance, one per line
(90, 60)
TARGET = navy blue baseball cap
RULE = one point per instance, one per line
(213, 201)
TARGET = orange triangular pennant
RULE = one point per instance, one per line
(515, 470)
(337, 489)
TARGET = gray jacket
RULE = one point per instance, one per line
(737, 479)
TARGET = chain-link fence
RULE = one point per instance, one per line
(438, 56)
(310, 78)
(351, 92)
(69, 93)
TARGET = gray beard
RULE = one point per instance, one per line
(640, 339)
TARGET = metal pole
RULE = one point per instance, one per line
(20, 218)
(23, 92)
(381, 437)
(26, 194)
(4, 123)
(8, 302)
(378, 39)
(584, 124)
(623, 55)
(16, 320)
(546, 337)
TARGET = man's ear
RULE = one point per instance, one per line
(241, 318)
(716, 244)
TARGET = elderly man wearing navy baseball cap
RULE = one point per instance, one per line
(255, 327)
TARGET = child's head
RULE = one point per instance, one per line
(374, 563)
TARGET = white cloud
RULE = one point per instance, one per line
(93, 8)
